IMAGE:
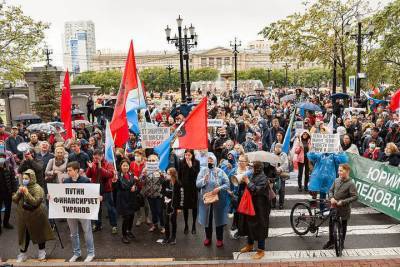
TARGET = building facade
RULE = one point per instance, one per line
(79, 45)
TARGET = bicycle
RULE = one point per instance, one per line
(309, 215)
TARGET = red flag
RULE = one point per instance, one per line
(66, 106)
(119, 124)
(376, 91)
(395, 101)
(192, 133)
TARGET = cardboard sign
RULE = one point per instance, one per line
(152, 166)
(215, 123)
(154, 136)
(325, 143)
(299, 127)
(74, 201)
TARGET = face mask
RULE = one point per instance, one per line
(138, 158)
(25, 182)
(372, 146)
(210, 165)
(231, 161)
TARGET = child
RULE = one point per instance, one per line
(173, 194)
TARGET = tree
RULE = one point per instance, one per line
(108, 80)
(317, 35)
(384, 61)
(20, 39)
(47, 96)
(203, 74)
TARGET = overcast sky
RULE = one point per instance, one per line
(117, 21)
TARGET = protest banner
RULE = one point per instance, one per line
(378, 184)
(74, 201)
(325, 143)
(299, 127)
(152, 166)
(215, 122)
(153, 136)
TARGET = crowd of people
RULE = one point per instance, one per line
(208, 184)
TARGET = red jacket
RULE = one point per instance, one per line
(136, 169)
(102, 176)
(4, 136)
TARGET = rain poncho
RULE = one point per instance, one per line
(325, 170)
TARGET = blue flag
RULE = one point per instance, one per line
(163, 152)
(286, 141)
(109, 145)
(133, 121)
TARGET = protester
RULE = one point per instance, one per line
(301, 147)
(77, 155)
(173, 199)
(7, 187)
(34, 142)
(33, 224)
(12, 143)
(342, 193)
(56, 170)
(3, 134)
(101, 172)
(152, 185)
(348, 146)
(282, 175)
(256, 227)
(392, 155)
(189, 168)
(30, 162)
(372, 152)
(126, 186)
(214, 180)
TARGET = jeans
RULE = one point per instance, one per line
(156, 210)
(27, 240)
(112, 213)
(344, 229)
(261, 243)
(218, 229)
(127, 222)
(306, 168)
(73, 225)
(170, 218)
(281, 192)
(7, 204)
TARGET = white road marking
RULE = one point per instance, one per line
(354, 211)
(351, 230)
(307, 254)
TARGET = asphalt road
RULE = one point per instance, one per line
(374, 230)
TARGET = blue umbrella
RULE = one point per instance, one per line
(339, 96)
(308, 106)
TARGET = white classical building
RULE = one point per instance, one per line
(79, 45)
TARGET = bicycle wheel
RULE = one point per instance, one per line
(301, 218)
(338, 237)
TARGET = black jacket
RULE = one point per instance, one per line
(126, 200)
(8, 183)
(188, 176)
(174, 193)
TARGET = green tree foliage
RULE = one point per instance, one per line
(47, 96)
(384, 61)
(203, 74)
(317, 34)
(20, 39)
(107, 80)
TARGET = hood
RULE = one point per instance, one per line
(234, 154)
(305, 131)
(211, 155)
(31, 175)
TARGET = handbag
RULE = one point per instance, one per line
(209, 197)
(246, 205)
(271, 193)
(284, 175)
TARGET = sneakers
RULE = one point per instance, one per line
(207, 242)
(74, 258)
(328, 245)
(138, 223)
(259, 254)
(22, 257)
(96, 228)
(220, 243)
(153, 228)
(114, 230)
(162, 230)
(281, 206)
(247, 248)
(148, 221)
(172, 241)
(125, 240)
(89, 258)
(42, 254)
(230, 215)
(130, 235)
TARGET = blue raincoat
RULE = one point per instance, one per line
(217, 178)
(325, 170)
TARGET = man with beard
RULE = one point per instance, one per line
(34, 142)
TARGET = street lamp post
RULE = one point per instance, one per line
(269, 76)
(359, 37)
(286, 66)
(235, 46)
(169, 68)
(188, 44)
(181, 42)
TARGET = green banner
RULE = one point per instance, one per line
(378, 184)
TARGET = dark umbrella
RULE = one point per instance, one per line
(104, 111)
(26, 117)
(308, 106)
(42, 127)
(183, 109)
(77, 112)
(111, 102)
(339, 96)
